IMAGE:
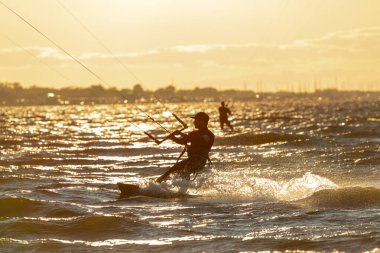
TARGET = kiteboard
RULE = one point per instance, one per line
(153, 190)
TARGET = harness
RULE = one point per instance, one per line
(185, 149)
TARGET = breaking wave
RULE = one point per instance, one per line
(240, 184)
(348, 197)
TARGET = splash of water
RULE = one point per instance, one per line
(240, 184)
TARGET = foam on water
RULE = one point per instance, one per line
(216, 184)
(237, 184)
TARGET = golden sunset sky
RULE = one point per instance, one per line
(266, 44)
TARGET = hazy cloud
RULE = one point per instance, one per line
(353, 54)
(343, 43)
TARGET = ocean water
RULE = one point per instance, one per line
(295, 175)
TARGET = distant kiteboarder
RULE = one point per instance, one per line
(200, 140)
(223, 116)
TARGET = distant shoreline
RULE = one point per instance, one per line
(13, 94)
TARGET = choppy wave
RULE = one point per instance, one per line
(102, 225)
(349, 197)
(61, 170)
(60, 161)
(363, 134)
(22, 207)
(5, 143)
(256, 139)
(190, 244)
(19, 206)
(86, 227)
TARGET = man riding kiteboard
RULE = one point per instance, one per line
(200, 140)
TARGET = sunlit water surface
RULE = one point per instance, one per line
(294, 175)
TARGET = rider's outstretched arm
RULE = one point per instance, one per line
(183, 139)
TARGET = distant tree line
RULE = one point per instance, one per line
(15, 94)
